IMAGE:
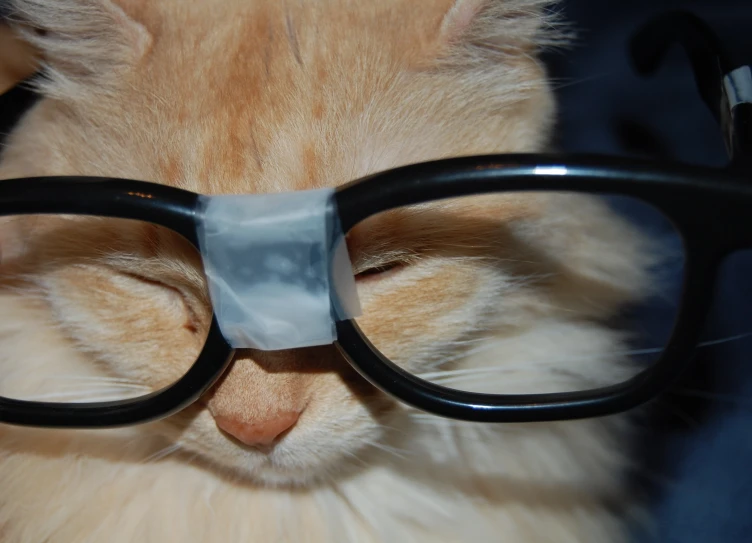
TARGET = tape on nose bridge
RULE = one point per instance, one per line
(277, 268)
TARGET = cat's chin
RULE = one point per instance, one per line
(287, 479)
(272, 470)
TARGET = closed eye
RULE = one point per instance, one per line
(380, 271)
(177, 296)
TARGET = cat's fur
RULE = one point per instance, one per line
(231, 96)
(17, 62)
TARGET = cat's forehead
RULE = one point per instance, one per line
(234, 96)
(277, 60)
(284, 95)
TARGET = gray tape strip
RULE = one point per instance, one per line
(277, 267)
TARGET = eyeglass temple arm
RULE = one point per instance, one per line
(724, 83)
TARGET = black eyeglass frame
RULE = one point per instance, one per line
(710, 208)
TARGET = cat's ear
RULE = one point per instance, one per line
(82, 44)
(487, 27)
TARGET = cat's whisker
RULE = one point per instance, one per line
(494, 344)
(439, 424)
(554, 365)
(423, 415)
(515, 260)
(728, 339)
(676, 411)
(638, 467)
(83, 396)
(399, 453)
(563, 84)
(393, 429)
(485, 346)
(444, 375)
(429, 418)
(354, 456)
(162, 453)
(189, 459)
(99, 379)
(653, 476)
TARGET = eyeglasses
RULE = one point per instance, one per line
(500, 288)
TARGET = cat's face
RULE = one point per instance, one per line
(245, 97)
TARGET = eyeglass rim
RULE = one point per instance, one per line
(681, 192)
(706, 244)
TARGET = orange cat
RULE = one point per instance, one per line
(243, 96)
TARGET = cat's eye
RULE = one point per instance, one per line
(379, 271)
(175, 297)
(526, 292)
(108, 295)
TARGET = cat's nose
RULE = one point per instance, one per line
(258, 433)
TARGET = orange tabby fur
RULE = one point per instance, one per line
(234, 96)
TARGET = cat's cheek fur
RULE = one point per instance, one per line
(140, 332)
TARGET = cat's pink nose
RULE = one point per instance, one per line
(257, 433)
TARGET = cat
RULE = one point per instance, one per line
(245, 96)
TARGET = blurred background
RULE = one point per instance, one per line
(694, 459)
